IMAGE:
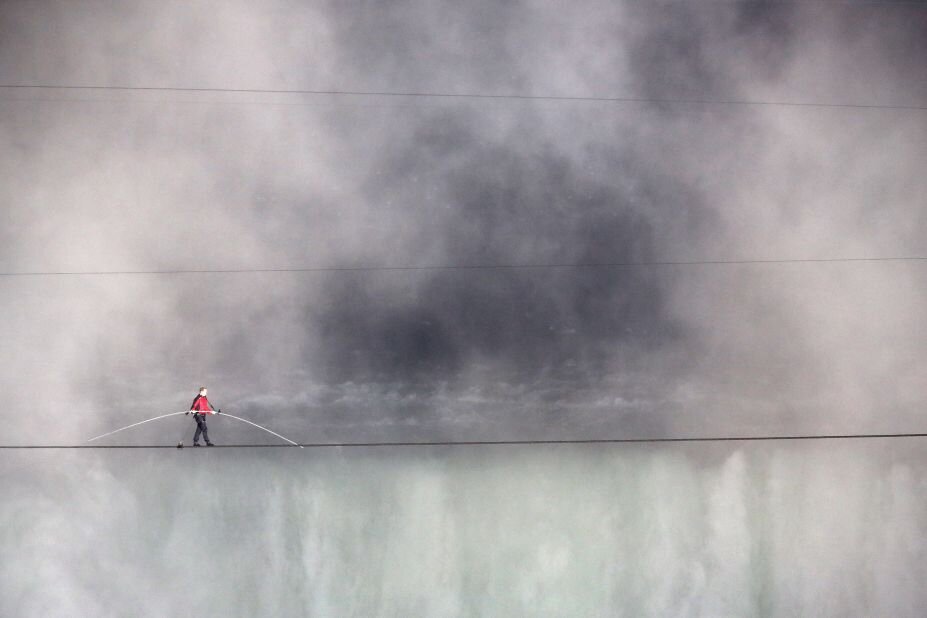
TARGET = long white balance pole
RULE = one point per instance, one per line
(264, 428)
(135, 425)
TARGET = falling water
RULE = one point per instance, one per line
(824, 529)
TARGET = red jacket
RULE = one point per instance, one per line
(201, 405)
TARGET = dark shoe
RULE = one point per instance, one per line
(210, 444)
(197, 444)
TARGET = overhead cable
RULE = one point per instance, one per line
(479, 96)
(592, 441)
(513, 266)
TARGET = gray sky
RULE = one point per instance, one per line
(109, 180)
(158, 180)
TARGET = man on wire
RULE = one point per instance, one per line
(200, 408)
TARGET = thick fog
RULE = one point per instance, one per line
(752, 132)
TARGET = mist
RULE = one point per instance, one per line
(468, 531)
(440, 299)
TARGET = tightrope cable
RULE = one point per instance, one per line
(524, 266)
(476, 96)
(656, 440)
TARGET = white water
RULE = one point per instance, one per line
(823, 529)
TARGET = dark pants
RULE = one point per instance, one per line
(200, 428)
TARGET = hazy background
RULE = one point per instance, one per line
(110, 180)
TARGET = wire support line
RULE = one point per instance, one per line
(857, 436)
(541, 266)
(476, 96)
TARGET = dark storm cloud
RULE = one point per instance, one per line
(502, 204)
(669, 55)
(522, 194)
(709, 51)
